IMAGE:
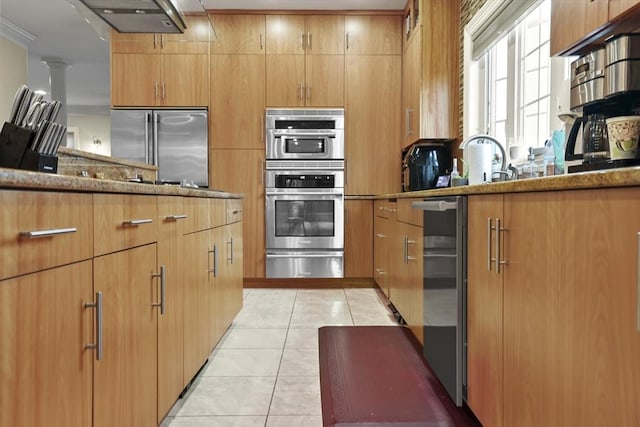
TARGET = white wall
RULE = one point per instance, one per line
(90, 127)
(13, 74)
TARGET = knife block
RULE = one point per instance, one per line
(16, 154)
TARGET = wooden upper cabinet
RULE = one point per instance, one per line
(180, 91)
(618, 7)
(238, 101)
(285, 34)
(373, 35)
(573, 20)
(285, 85)
(194, 40)
(238, 34)
(299, 34)
(325, 80)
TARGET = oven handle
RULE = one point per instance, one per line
(306, 133)
(437, 206)
(304, 255)
(303, 193)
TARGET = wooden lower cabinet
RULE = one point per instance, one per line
(358, 235)
(384, 229)
(228, 280)
(171, 323)
(552, 337)
(484, 312)
(198, 285)
(407, 292)
(125, 380)
(45, 371)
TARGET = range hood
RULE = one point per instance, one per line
(139, 16)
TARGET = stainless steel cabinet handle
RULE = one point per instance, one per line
(638, 286)
(380, 272)
(236, 212)
(156, 119)
(261, 43)
(308, 93)
(406, 122)
(347, 37)
(230, 257)
(155, 41)
(214, 270)
(164, 92)
(309, 41)
(155, 90)
(301, 92)
(499, 231)
(380, 236)
(162, 40)
(410, 121)
(147, 120)
(405, 249)
(98, 344)
(163, 287)
(489, 259)
(410, 242)
(47, 233)
(175, 217)
(136, 222)
(302, 41)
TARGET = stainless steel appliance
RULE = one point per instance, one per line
(423, 163)
(139, 16)
(305, 220)
(444, 290)
(622, 71)
(587, 79)
(305, 134)
(174, 140)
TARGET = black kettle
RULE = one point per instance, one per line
(595, 139)
(423, 163)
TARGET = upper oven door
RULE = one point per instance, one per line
(305, 144)
(305, 219)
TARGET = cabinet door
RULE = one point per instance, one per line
(599, 309)
(125, 380)
(234, 246)
(324, 34)
(198, 262)
(179, 91)
(373, 35)
(618, 7)
(238, 34)
(484, 312)
(219, 290)
(358, 238)
(242, 171)
(372, 150)
(171, 322)
(194, 40)
(135, 80)
(383, 237)
(324, 80)
(410, 264)
(573, 20)
(285, 34)
(237, 101)
(134, 43)
(285, 84)
(530, 298)
(411, 87)
(45, 371)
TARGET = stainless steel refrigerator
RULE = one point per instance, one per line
(173, 140)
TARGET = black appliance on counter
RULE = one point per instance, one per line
(423, 162)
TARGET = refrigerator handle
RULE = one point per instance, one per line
(155, 139)
(147, 120)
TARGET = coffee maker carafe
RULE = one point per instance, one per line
(595, 141)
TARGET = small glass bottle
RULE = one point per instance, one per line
(530, 169)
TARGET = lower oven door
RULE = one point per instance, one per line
(305, 264)
(304, 219)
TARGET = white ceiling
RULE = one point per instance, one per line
(61, 30)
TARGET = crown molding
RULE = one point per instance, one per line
(14, 33)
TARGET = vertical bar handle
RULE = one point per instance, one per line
(147, 121)
(261, 42)
(214, 270)
(230, 257)
(309, 41)
(347, 41)
(155, 139)
(155, 90)
(410, 242)
(164, 92)
(489, 259)
(638, 287)
(308, 92)
(302, 43)
(405, 250)
(498, 245)
(98, 344)
(163, 288)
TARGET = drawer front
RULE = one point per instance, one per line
(385, 209)
(40, 230)
(171, 217)
(218, 209)
(409, 215)
(198, 215)
(234, 210)
(123, 221)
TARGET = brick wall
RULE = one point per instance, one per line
(468, 9)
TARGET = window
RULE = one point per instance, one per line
(517, 79)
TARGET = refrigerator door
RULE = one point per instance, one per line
(131, 135)
(181, 150)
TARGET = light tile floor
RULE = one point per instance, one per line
(264, 371)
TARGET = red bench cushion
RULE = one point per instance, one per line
(376, 376)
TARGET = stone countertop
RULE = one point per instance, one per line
(70, 152)
(625, 177)
(15, 179)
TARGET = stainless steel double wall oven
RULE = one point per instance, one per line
(304, 189)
